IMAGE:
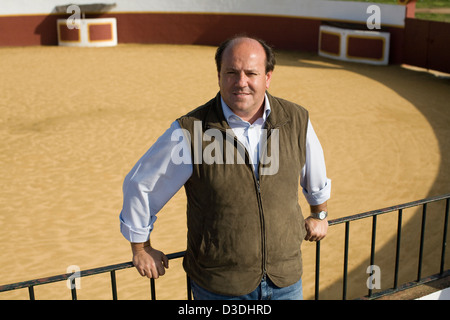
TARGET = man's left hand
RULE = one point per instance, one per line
(316, 229)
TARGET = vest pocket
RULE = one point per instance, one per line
(228, 244)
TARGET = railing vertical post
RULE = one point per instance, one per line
(422, 240)
(372, 247)
(444, 237)
(397, 250)
(31, 292)
(189, 290)
(113, 284)
(74, 290)
(316, 293)
(344, 285)
(152, 288)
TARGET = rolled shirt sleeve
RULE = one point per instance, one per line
(314, 181)
(151, 184)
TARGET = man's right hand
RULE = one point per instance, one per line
(148, 261)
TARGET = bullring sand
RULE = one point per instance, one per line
(75, 120)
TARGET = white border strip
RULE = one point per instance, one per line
(393, 15)
(439, 295)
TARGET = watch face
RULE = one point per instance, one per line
(322, 215)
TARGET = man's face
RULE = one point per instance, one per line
(242, 78)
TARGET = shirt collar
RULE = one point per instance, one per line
(230, 116)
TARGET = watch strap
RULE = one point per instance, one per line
(319, 215)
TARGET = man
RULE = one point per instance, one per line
(245, 226)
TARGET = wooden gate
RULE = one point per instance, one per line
(427, 44)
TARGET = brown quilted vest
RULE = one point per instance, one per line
(239, 228)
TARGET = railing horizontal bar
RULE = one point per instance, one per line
(387, 209)
(90, 272)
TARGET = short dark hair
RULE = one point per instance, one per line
(270, 56)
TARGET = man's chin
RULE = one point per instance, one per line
(241, 103)
(239, 107)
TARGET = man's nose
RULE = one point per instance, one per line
(242, 79)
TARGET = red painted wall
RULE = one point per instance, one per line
(202, 29)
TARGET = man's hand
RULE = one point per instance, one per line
(316, 229)
(148, 261)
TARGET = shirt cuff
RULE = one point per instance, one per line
(315, 198)
(134, 234)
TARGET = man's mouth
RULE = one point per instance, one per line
(241, 93)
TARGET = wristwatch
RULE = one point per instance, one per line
(319, 215)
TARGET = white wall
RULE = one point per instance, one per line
(391, 15)
(438, 295)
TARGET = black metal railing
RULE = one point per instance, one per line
(84, 273)
(345, 220)
(374, 214)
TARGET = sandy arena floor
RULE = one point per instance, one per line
(74, 122)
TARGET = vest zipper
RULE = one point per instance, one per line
(258, 196)
(258, 186)
(263, 227)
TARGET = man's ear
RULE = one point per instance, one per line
(268, 78)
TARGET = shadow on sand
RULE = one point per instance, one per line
(414, 86)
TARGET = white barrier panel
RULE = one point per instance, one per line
(438, 295)
(351, 11)
(354, 45)
(87, 32)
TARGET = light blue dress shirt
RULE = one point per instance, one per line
(155, 178)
